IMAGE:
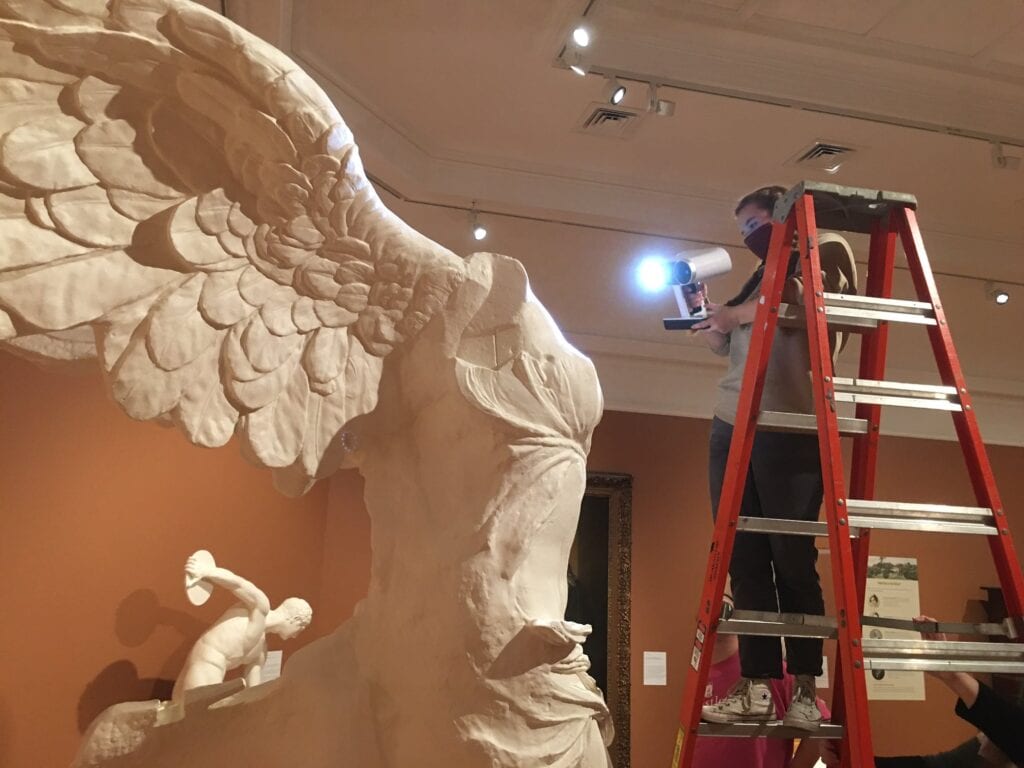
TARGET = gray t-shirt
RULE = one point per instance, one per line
(787, 385)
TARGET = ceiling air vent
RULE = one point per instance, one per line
(605, 120)
(823, 155)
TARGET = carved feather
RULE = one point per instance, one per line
(189, 193)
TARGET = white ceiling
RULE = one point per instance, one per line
(454, 101)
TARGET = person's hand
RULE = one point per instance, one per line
(961, 683)
(721, 318)
(195, 570)
(939, 636)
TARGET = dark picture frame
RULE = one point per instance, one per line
(600, 571)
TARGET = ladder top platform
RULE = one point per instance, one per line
(844, 209)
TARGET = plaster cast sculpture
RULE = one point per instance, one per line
(238, 638)
(185, 205)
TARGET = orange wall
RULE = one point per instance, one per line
(97, 516)
(99, 512)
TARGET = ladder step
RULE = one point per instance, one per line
(920, 312)
(1007, 628)
(843, 209)
(950, 656)
(856, 314)
(778, 525)
(778, 624)
(903, 516)
(873, 392)
(803, 625)
(772, 730)
(780, 421)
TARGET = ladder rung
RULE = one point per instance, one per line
(873, 392)
(771, 730)
(936, 656)
(1005, 629)
(903, 516)
(780, 421)
(778, 624)
(856, 314)
(779, 525)
(802, 625)
(921, 310)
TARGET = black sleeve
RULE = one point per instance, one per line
(1001, 720)
(964, 756)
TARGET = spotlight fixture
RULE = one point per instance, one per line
(1003, 161)
(997, 293)
(660, 107)
(479, 230)
(581, 36)
(577, 65)
(614, 91)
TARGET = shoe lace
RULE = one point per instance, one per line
(804, 692)
(742, 690)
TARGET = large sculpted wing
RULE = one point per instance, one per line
(180, 200)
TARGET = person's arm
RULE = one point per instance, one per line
(962, 684)
(717, 342)
(830, 757)
(724, 319)
(244, 590)
(998, 718)
(253, 674)
(903, 761)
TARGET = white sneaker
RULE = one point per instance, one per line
(803, 710)
(749, 701)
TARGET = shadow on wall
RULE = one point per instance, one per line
(137, 617)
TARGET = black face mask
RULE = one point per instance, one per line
(759, 240)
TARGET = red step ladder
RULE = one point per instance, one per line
(851, 514)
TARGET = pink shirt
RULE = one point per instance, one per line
(713, 751)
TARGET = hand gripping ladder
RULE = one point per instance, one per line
(850, 516)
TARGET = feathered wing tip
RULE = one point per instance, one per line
(187, 193)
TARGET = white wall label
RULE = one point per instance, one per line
(821, 681)
(655, 668)
(272, 666)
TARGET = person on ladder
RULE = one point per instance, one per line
(714, 751)
(773, 572)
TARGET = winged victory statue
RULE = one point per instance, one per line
(181, 203)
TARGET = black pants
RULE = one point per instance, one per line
(774, 572)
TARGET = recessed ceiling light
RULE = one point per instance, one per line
(581, 37)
